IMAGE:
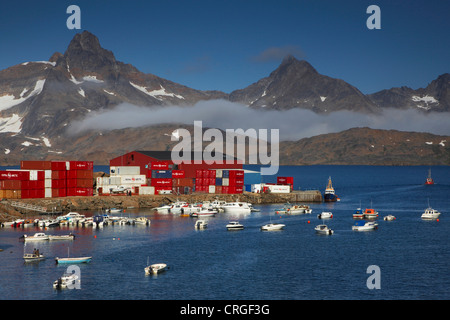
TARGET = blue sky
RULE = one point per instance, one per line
(227, 45)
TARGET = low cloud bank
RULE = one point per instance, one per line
(293, 124)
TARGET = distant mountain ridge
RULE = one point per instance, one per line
(39, 100)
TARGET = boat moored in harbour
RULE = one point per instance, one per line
(329, 195)
(234, 225)
(272, 227)
(323, 229)
(155, 268)
(40, 236)
(325, 215)
(365, 226)
(430, 214)
(389, 217)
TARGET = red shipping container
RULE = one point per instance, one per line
(159, 165)
(79, 183)
(58, 165)
(177, 173)
(212, 181)
(59, 193)
(80, 192)
(236, 174)
(59, 184)
(14, 175)
(11, 184)
(225, 189)
(36, 165)
(199, 181)
(161, 182)
(219, 189)
(212, 174)
(236, 181)
(80, 174)
(59, 174)
(81, 165)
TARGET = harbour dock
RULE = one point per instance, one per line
(66, 204)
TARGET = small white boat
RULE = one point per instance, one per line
(272, 227)
(430, 214)
(48, 223)
(234, 225)
(114, 210)
(358, 214)
(31, 257)
(323, 229)
(155, 268)
(62, 237)
(389, 218)
(325, 215)
(40, 236)
(200, 224)
(66, 281)
(207, 212)
(73, 260)
(365, 226)
(237, 208)
(142, 221)
(164, 209)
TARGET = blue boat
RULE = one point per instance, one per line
(73, 260)
(329, 195)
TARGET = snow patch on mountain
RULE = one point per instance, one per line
(11, 124)
(156, 93)
(8, 100)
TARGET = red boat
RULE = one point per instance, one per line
(429, 179)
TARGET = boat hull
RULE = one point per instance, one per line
(272, 227)
(73, 260)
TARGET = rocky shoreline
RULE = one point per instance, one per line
(63, 205)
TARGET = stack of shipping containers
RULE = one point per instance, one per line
(47, 179)
(286, 181)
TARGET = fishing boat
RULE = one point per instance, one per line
(237, 208)
(40, 236)
(323, 229)
(429, 180)
(365, 226)
(389, 217)
(358, 214)
(370, 213)
(430, 214)
(200, 224)
(155, 268)
(234, 225)
(66, 281)
(325, 215)
(272, 227)
(62, 237)
(32, 257)
(329, 195)
(292, 209)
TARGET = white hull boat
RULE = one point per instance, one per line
(155, 268)
(325, 215)
(143, 221)
(66, 281)
(272, 227)
(323, 229)
(365, 226)
(61, 237)
(200, 224)
(205, 213)
(430, 214)
(234, 225)
(389, 218)
(31, 257)
(237, 208)
(36, 237)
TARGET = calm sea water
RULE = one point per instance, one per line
(413, 255)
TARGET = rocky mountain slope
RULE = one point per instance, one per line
(39, 100)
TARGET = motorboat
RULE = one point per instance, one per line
(234, 225)
(358, 214)
(190, 208)
(142, 221)
(207, 212)
(73, 260)
(40, 236)
(114, 210)
(365, 226)
(66, 281)
(370, 214)
(323, 229)
(62, 237)
(178, 207)
(48, 223)
(272, 227)
(32, 257)
(389, 218)
(430, 214)
(429, 180)
(70, 216)
(237, 208)
(28, 223)
(164, 209)
(325, 215)
(292, 209)
(200, 224)
(155, 268)
(13, 224)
